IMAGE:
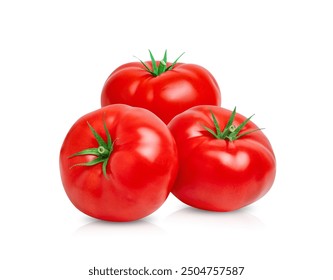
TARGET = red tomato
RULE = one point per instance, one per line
(118, 163)
(225, 161)
(167, 92)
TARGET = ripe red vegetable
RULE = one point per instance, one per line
(118, 163)
(165, 89)
(225, 160)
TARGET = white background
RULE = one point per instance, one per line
(271, 58)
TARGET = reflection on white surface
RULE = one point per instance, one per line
(183, 236)
(184, 221)
(98, 228)
(196, 220)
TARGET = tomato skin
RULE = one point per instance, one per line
(166, 95)
(141, 169)
(216, 174)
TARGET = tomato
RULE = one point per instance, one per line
(165, 89)
(225, 160)
(118, 163)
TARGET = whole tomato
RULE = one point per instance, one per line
(225, 161)
(165, 89)
(118, 163)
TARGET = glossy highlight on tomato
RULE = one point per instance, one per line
(225, 161)
(164, 88)
(118, 163)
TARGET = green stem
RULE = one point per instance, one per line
(102, 153)
(231, 131)
(161, 68)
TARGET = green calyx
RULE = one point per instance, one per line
(162, 67)
(102, 152)
(230, 132)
